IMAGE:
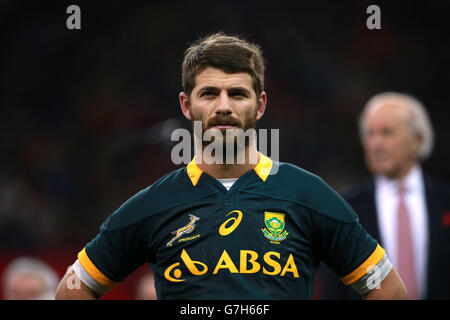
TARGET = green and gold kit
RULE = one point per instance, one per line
(262, 239)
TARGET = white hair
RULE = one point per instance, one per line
(418, 119)
(27, 265)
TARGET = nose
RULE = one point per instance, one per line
(375, 143)
(223, 105)
(377, 139)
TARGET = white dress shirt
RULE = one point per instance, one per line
(387, 199)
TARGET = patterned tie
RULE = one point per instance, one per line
(405, 252)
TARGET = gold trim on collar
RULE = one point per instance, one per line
(262, 169)
(194, 172)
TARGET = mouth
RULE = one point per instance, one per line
(223, 126)
(379, 155)
(223, 123)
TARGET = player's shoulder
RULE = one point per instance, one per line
(308, 189)
(172, 190)
(359, 191)
(292, 177)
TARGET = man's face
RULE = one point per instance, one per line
(390, 148)
(26, 287)
(223, 101)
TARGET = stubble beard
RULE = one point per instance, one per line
(234, 140)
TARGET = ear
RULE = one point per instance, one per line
(184, 104)
(418, 141)
(261, 107)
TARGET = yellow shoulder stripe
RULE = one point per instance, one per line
(93, 271)
(365, 267)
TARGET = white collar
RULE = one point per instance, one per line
(413, 182)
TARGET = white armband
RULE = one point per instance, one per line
(87, 279)
(373, 278)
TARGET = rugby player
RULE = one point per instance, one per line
(255, 230)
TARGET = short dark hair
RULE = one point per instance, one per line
(228, 53)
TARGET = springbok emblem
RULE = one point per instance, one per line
(183, 230)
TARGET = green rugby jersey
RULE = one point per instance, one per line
(262, 239)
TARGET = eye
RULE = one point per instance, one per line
(238, 95)
(207, 94)
(387, 132)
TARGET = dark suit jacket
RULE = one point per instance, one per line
(437, 197)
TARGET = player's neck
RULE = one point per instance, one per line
(228, 170)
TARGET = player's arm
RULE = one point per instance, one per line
(110, 257)
(391, 288)
(346, 247)
(358, 259)
(374, 278)
(103, 263)
(72, 288)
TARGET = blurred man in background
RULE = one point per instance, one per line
(29, 279)
(405, 209)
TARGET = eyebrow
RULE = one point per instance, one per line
(232, 90)
(207, 88)
(239, 90)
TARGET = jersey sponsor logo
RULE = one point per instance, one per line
(184, 230)
(249, 262)
(275, 223)
(231, 224)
